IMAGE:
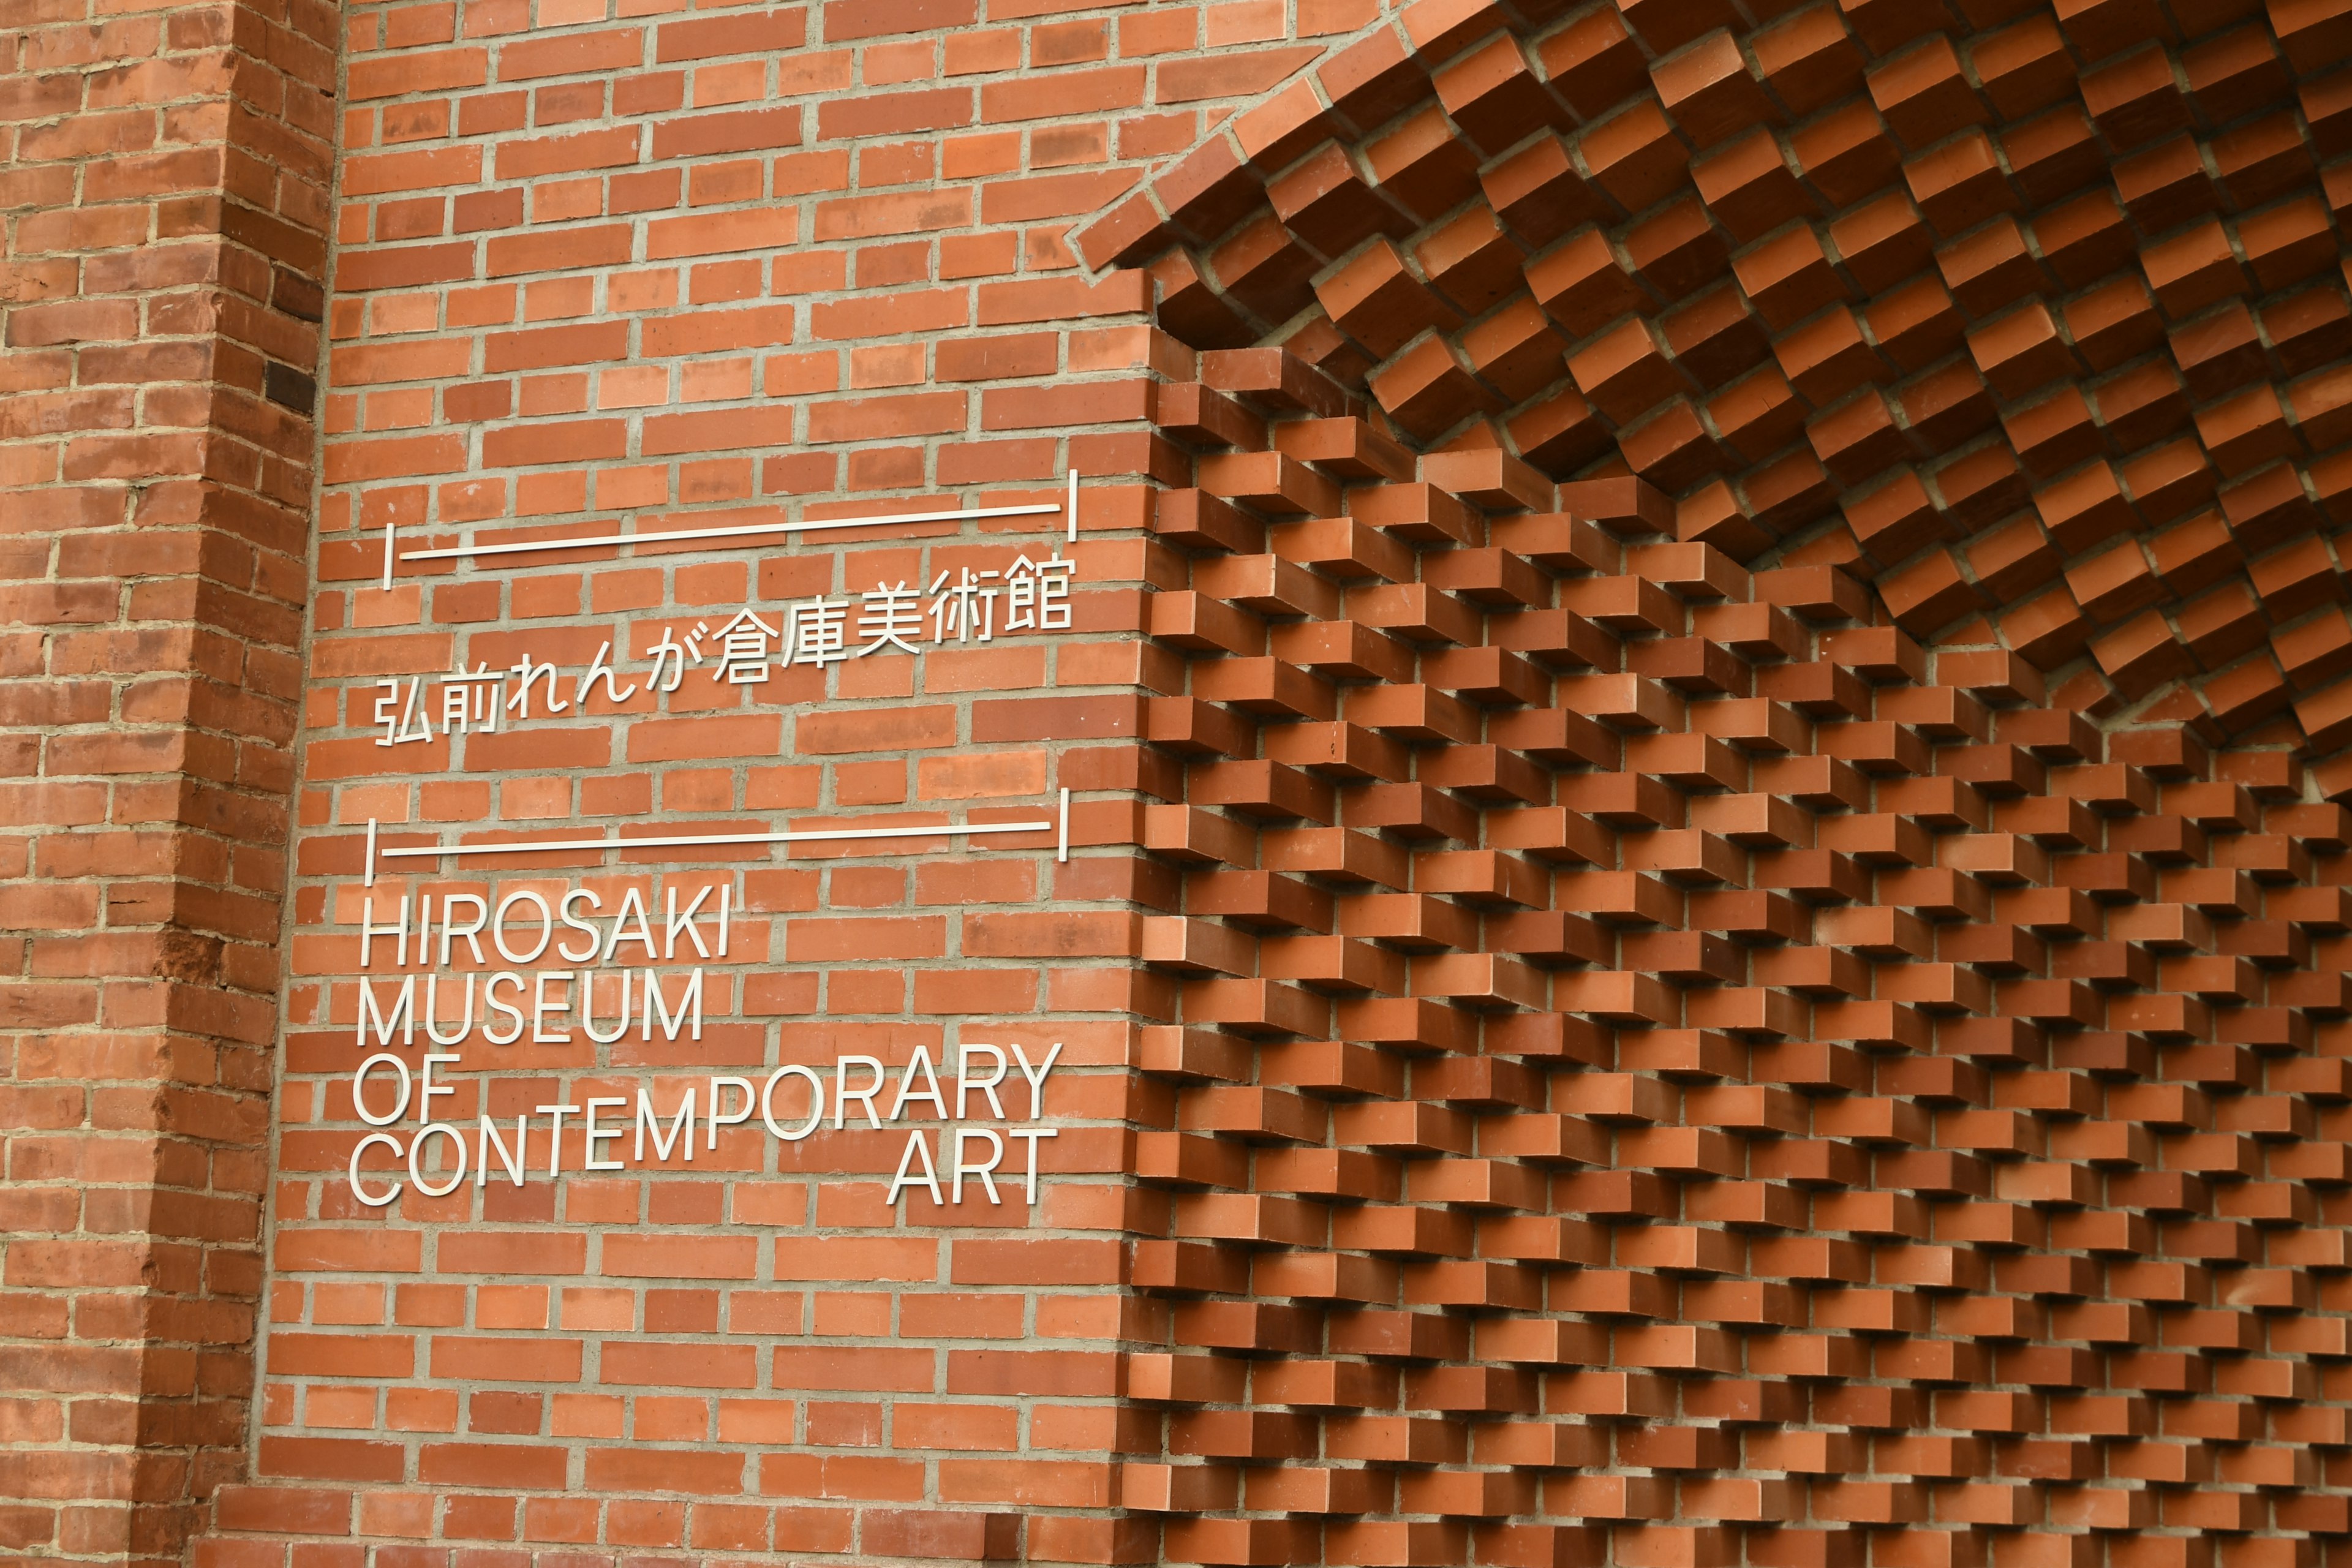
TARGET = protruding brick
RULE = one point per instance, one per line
(1708, 90)
(1845, 154)
(1539, 195)
(2024, 67)
(1376, 300)
(1493, 96)
(2054, 154)
(1959, 184)
(1809, 60)
(1325, 202)
(1636, 155)
(1581, 283)
(1883, 241)
(1923, 94)
(1593, 63)
(1470, 260)
(1427, 388)
(1749, 186)
(1422, 166)
(1265, 269)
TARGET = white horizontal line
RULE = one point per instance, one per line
(811, 836)
(600, 541)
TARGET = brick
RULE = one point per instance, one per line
(413, 171)
(553, 346)
(744, 131)
(567, 154)
(1748, 185)
(711, 331)
(849, 19)
(1188, 82)
(713, 38)
(914, 727)
(509, 255)
(570, 54)
(1634, 155)
(412, 70)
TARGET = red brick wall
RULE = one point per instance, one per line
(167, 173)
(669, 273)
(1705, 917)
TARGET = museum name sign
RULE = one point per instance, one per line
(541, 966)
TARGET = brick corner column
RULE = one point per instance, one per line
(164, 185)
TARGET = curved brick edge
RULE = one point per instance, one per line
(1524, 253)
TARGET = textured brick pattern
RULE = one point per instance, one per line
(163, 191)
(1666, 1066)
(2042, 312)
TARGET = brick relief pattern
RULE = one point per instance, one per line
(1669, 1070)
(1664, 1035)
(2031, 317)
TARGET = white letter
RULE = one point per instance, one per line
(490, 1004)
(426, 1088)
(564, 908)
(1032, 1134)
(370, 930)
(713, 1120)
(540, 1007)
(673, 921)
(689, 1007)
(916, 1148)
(587, 979)
(592, 1134)
(491, 1140)
(843, 1094)
(416, 1177)
(555, 1115)
(471, 932)
(816, 1102)
(404, 1013)
(1037, 1079)
(906, 1090)
(546, 926)
(433, 1001)
(680, 1128)
(631, 901)
(389, 1142)
(966, 1083)
(985, 1172)
(359, 1087)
